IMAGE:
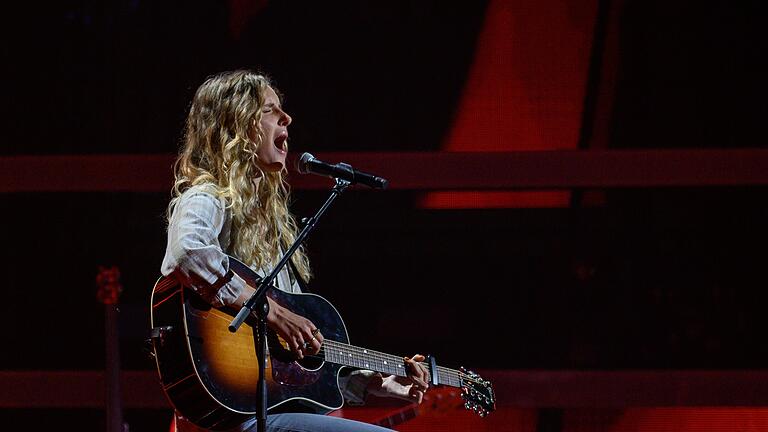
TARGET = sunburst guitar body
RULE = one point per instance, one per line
(210, 374)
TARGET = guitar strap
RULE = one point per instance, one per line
(295, 277)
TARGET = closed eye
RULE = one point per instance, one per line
(269, 106)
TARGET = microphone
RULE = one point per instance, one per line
(309, 164)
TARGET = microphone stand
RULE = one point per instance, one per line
(258, 303)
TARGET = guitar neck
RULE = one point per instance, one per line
(363, 358)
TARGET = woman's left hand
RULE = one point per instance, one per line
(410, 388)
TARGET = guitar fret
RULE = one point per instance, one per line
(351, 355)
(449, 377)
(363, 358)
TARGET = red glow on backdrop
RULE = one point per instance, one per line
(525, 91)
(496, 199)
(731, 419)
(689, 419)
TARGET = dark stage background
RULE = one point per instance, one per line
(600, 279)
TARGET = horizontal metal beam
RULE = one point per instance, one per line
(638, 388)
(77, 389)
(524, 389)
(560, 169)
(81, 173)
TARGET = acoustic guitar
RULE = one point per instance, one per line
(209, 374)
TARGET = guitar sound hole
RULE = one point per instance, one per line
(279, 351)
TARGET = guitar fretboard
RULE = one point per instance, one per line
(363, 358)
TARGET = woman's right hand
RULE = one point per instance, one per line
(294, 329)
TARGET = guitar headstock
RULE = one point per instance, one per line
(110, 288)
(477, 393)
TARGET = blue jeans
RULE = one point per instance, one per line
(300, 422)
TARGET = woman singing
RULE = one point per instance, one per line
(230, 198)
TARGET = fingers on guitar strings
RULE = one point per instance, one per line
(418, 373)
(315, 342)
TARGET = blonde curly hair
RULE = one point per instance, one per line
(218, 150)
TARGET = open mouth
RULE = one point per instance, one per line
(281, 142)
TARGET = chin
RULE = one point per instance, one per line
(272, 166)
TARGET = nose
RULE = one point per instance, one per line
(285, 119)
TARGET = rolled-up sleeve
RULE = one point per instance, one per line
(353, 384)
(194, 254)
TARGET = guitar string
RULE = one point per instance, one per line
(443, 372)
(375, 356)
